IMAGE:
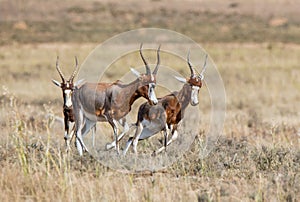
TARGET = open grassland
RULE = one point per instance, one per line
(255, 45)
(256, 158)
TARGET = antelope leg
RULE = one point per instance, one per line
(138, 132)
(69, 138)
(79, 141)
(174, 137)
(87, 127)
(113, 124)
(128, 144)
(125, 130)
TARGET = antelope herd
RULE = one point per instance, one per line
(86, 103)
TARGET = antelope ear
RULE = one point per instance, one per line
(80, 82)
(56, 83)
(182, 80)
(135, 72)
(201, 76)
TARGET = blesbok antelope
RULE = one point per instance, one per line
(111, 102)
(67, 87)
(166, 115)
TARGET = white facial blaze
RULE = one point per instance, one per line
(151, 93)
(194, 95)
(68, 99)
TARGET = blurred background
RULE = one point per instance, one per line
(94, 21)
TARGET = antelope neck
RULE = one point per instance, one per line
(134, 86)
(184, 95)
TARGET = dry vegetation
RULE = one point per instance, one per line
(256, 159)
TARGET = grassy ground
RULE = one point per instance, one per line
(257, 158)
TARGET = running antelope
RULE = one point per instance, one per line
(166, 115)
(67, 87)
(111, 102)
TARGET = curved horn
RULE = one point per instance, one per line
(204, 67)
(190, 65)
(75, 71)
(158, 61)
(148, 71)
(59, 70)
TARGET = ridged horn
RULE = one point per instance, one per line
(158, 61)
(59, 70)
(190, 65)
(204, 67)
(148, 70)
(75, 71)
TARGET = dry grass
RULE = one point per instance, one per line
(257, 158)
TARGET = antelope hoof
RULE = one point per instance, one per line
(68, 149)
(118, 151)
(109, 146)
(85, 149)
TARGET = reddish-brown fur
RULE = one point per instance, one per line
(67, 110)
(110, 102)
(168, 112)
